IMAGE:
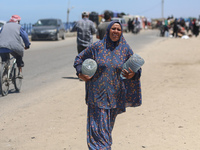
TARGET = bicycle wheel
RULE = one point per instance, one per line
(16, 80)
(4, 82)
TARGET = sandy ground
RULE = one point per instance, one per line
(167, 120)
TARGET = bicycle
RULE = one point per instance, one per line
(8, 76)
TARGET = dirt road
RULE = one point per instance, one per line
(167, 120)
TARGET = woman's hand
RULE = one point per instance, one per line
(128, 74)
(84, 77)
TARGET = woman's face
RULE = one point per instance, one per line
(115, 32)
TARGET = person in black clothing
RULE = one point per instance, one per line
(195, 28)
(130, 25)
(175, 28)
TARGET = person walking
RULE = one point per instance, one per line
(136, 25)
(85, 29)
(130, 25)
(175, 28)
(195, 27)
(13, 40)
(187, 23)
(101, 29)
(107, 93)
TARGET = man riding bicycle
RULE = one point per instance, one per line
(12, 37)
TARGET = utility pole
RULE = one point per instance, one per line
(68, 11)
(162, 9)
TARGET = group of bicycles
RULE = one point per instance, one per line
(9, 76)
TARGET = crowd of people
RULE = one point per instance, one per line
(179, 27)
(134, 25)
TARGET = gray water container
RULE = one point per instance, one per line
(134, 62)
(89, 67)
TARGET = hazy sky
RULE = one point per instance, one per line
(32, 10)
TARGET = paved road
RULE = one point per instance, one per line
(50, 62)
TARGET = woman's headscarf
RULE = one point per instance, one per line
(110, 25)
(108, 43)
(107, 36)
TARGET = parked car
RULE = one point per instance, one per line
(48, 29)
(2, 23)
(123, 22)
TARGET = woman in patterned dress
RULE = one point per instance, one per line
(107, 93)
